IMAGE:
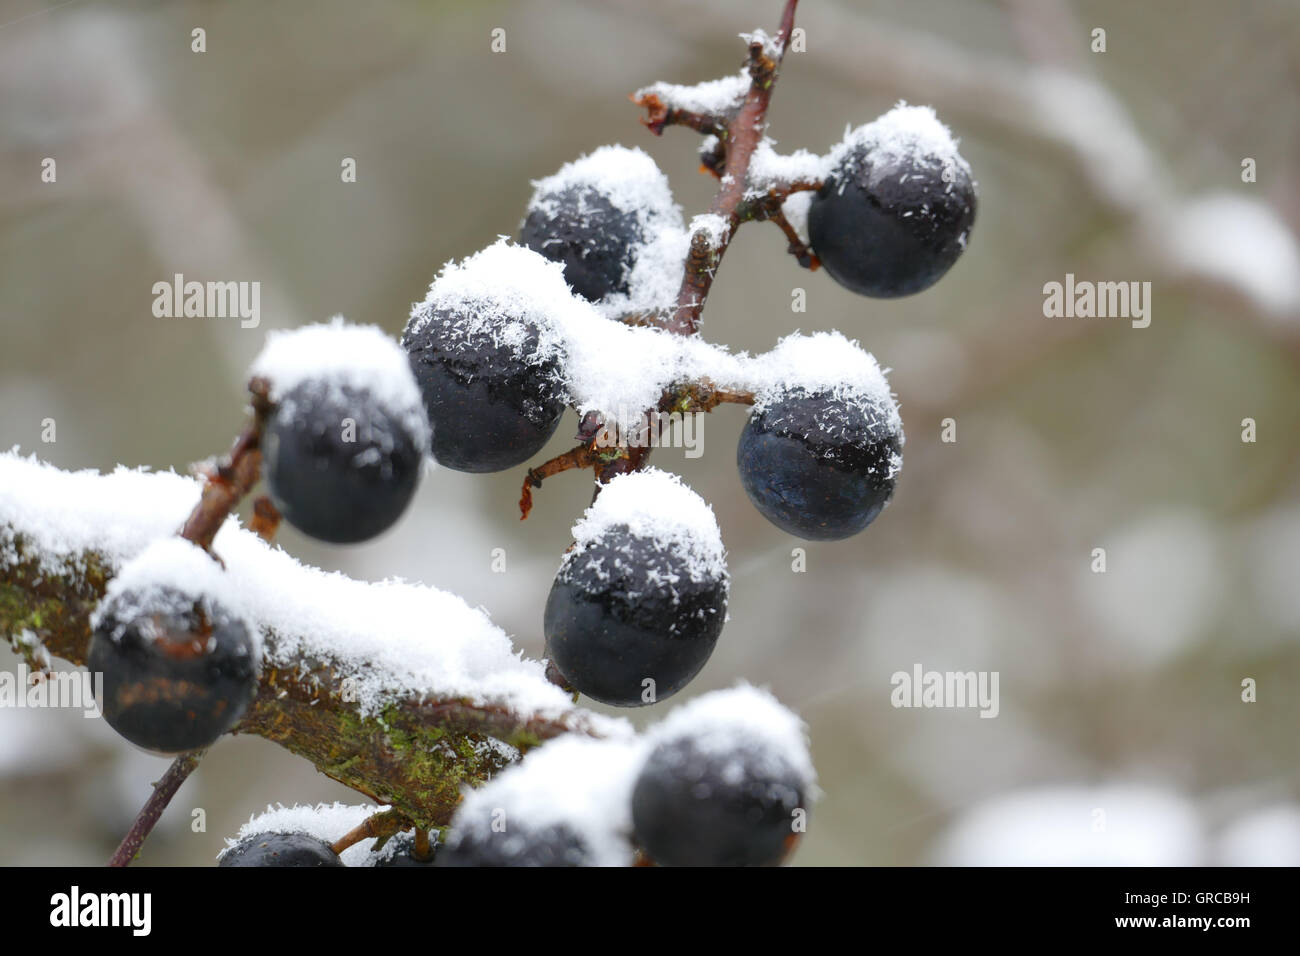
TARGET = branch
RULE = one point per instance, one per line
(232, 478)
(145, 820)
(744, 133)
(414, 753)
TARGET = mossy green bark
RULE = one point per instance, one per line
(417, 755)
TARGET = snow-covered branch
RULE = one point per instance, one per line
(400, 691)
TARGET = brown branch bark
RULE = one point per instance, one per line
(233, 477)
(147, 818)
(414, 756)
(744, 133)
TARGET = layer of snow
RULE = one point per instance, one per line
(906, 134)
(620, 370)
(577, 782)
(713, 97)
(742, 722)
(1122, 825)
(63, 513)
(396, 640)
(627, 177)
(768, 168)
(825, 362)
(714, 227)
(656, 276)
(658, 506)
(796, 209)
(632, 183)
(336, 353)
(771, 44)
(325, 821)
(169, 577)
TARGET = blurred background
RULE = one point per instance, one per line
(1119, 691)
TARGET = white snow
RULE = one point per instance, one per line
(627, 177)
(336, 353)
(656, 276)
(658, 506)
(796, 208)
(1118, 825)
(830, 363)
(620, 370)
(396, 640)
(742, 721)
(905, 134)
(168, 577)
(325, 821)
(713, 97)
(580, 783)
(714, 227)
(632, 182)
(769, 169)
(62, 513)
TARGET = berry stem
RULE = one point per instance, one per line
(423, 850)
(382, 824)
(233, 477)
(744, 132)
(583, 456)
(797, 248)
(145, 820)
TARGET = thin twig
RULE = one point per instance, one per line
(382, 824)
(144, 822)
(226, 484)
(744, 133)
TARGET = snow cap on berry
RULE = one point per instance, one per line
(906, 135)
(825, 363)
(168, 578)
(512, 293)
(657, 506)
(506, 291)
(581, 784)
(742, 721)
(634, 185)
(324, 821)
(338, 354)
(627, 177)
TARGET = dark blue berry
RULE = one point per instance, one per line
(695, 806)
(491, 405)
(889, 225)
(177, 674)
(280, 849)
(818, 466)
(624, 610)
(340, 465)
(593, 239)
(481, 845)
